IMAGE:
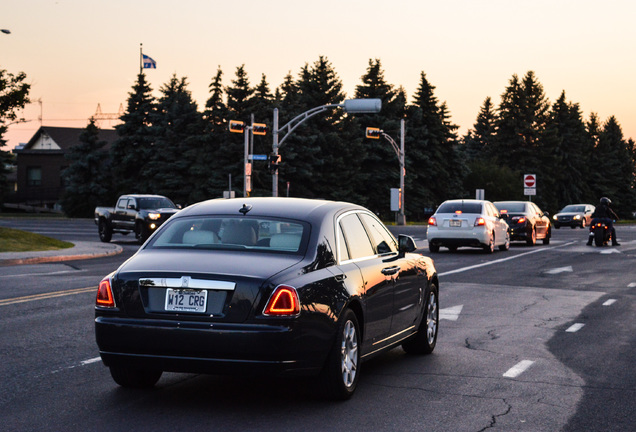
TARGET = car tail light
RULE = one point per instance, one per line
(432, 221)
(105, 294)
(283, 302)
(480, 221)
(519, 219)
(458, 212)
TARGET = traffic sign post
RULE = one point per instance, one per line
(529, 184)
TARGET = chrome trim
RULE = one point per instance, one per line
(187, 282)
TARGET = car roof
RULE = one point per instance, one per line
(292, 208)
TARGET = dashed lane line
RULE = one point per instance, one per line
(518, 369)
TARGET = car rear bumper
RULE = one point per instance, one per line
(204, 347)
(458, 238)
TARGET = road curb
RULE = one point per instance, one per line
(81, 250)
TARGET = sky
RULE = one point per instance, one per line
(81, 53)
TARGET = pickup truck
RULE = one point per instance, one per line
(139, 214)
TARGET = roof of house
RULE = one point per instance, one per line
(66, 137)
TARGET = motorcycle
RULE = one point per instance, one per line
(602, 233)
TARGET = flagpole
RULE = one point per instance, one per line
(141, 60)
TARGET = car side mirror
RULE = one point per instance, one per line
(406, 244)
(546, 214)
(132, 207)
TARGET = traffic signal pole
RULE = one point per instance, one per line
(352, 106)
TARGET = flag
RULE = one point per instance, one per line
(148, 62)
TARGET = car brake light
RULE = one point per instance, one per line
(480, 221)
(458, 212)
(432, 221)
(519, 219)
(105, 294)
(283, 302)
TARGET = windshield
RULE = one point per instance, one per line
(154, 203)
(461, 206)
(511, 207)
(573, 209)
(236, 233)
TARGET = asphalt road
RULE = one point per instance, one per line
(534, 339)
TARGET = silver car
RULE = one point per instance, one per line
(468, 222)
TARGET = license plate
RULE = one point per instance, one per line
(455, 223)
(186, 300)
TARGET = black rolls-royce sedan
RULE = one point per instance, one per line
(267, 286)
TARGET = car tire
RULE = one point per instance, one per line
(490, 247)
(452, 248)
(573, 226)
(425, 339)
(141, 232)
(340, 374)
(557, 226)
(532, 238)
(546, 239)
(131, 377)
(506, 246)
(433, 248)
(105, 231)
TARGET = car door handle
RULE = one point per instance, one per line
(389, 271)
(340, 277)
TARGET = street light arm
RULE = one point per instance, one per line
(300, 119)
(393, 144)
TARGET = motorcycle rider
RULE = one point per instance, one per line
(604, 213)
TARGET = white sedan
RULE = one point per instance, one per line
(467, 222)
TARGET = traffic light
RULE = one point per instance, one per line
(373, 133)
(272, 162)
(237, 126)
(259, 129)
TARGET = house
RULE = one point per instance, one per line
(40, 163)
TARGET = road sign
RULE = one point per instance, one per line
(530, 181)
(258, 157)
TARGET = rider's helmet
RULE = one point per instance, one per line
(606, 201)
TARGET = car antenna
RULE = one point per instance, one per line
(245, 209)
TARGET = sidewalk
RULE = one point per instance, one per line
(81, 250)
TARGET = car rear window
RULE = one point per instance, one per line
(235, 233)
(511, 207)
(464, 207)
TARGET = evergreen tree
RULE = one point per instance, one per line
(86, 178)
(178, 129)
(380, 167)
(316, 159)
(523, 114)
(134, 143)
(14, 95)
(435, 169)
(613, 161)
(566, 148)
(207, 167)
(478, 141)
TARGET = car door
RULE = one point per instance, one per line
(120, 213)
(501, 226)
(409, 286)
(377, 289)
(541, 222)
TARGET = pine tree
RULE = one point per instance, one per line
(262, 105)
(479, 140)
(134, 143)
(207, 167)
(316, 159)
(14, 95)
(86, 178)
(380, 167)
(178, 129)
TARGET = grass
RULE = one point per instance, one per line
(12, 240)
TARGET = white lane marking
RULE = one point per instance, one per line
(560, 270)
(89, 361)
(610, 251)
(497, 261)
(518, 369)
(609, 302)
(631, 285)
(42, 274)
(451, 313)
(575, 327)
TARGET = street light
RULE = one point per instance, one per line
(238, 126)
(375, 133)
(351, 106)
